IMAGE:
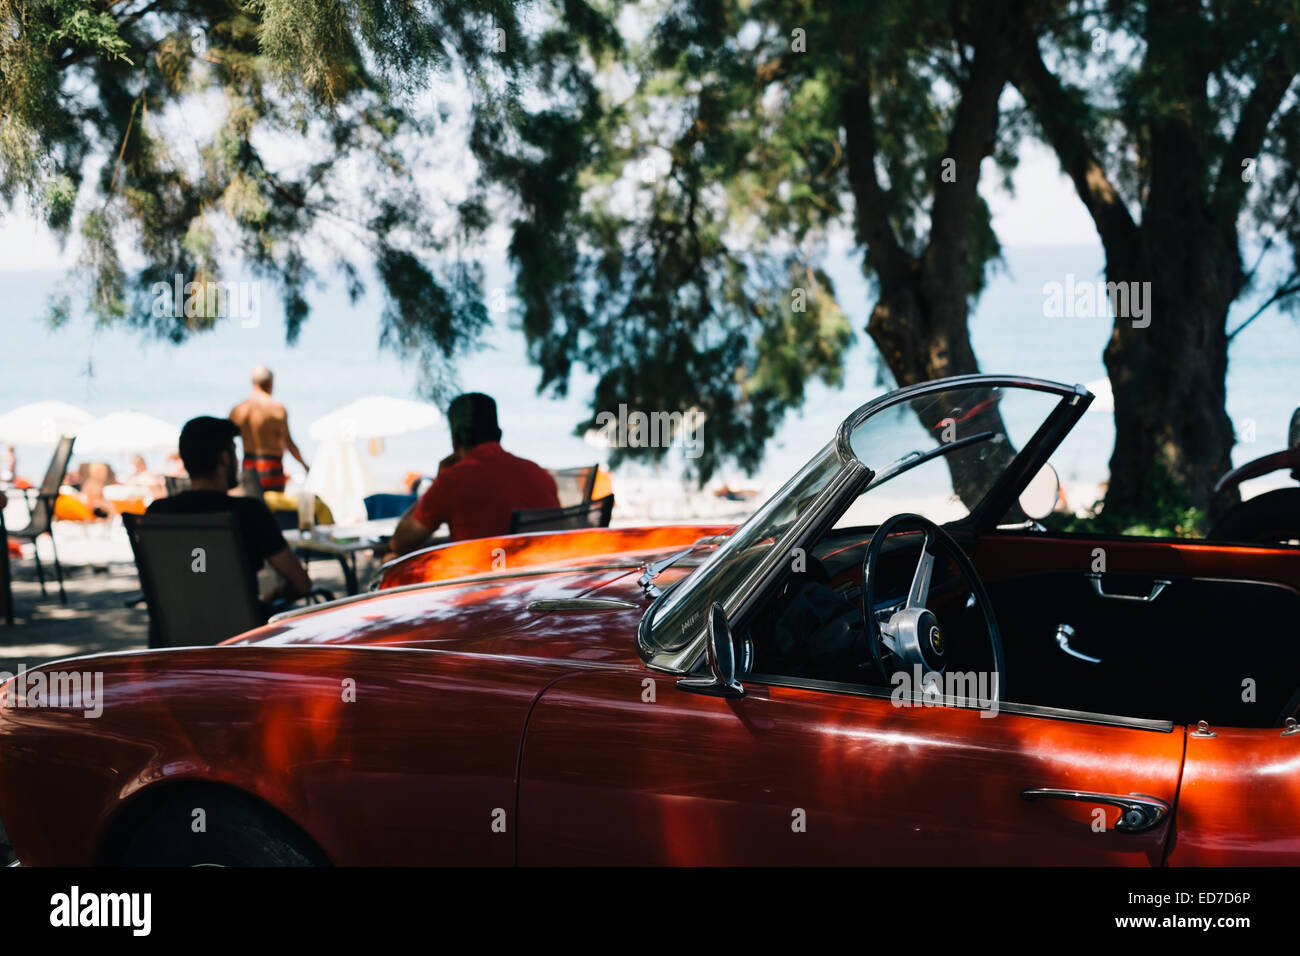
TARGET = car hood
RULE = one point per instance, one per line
(588, 613)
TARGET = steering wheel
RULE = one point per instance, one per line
(911, 635)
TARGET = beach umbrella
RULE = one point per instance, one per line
(375, 416)
(42, 423)
(127, 432)
(339, 477)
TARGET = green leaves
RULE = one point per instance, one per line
(281, 138)
(682, 263)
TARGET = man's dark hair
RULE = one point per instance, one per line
(203, 439)
(472, 418)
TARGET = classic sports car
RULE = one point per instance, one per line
(826, 683)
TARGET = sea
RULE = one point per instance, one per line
(337, 359)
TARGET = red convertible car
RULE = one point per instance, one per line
(827, 683)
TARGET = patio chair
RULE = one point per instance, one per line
(6, 592)
(40, 504)
(192, 605)
(593, 514)
(383, 505)
(574, 485)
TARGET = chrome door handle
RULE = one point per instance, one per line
(1156, 587)
(1138, 812)
(1063, 634)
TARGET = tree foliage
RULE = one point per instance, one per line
(276, 135)
(738, 140)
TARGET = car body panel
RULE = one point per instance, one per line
(612, 777)
(1238, 801)
(554, 549)
(388, 730)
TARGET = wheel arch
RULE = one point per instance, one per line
(116, 833)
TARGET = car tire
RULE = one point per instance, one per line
(235, 831)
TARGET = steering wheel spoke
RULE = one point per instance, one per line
(920, 589)
(906, 630)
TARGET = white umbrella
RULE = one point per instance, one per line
(42, 423)
(339, 477)
(127, 431)
(375, 416)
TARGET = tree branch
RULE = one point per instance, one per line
(1064, 115)
(1252, 125)
(971, 138)
(1284, 291)
(885, 253)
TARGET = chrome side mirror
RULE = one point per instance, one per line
(721, 657)
(1040, 496)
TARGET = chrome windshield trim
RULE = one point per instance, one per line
(851, 475)
(863, 412)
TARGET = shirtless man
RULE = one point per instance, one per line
(264, 430)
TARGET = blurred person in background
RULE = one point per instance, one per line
(478, 485)
(264, 430)
(208, 451)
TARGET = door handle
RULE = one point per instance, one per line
(1138, 812)
(1156, 587)
(1063, 634)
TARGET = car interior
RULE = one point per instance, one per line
(1161, 629)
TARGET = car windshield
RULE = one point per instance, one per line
(969, 433)
(953, 446)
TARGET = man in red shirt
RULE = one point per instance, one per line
(478, 485)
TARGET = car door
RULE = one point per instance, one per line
(624, 767)
(1170, 630)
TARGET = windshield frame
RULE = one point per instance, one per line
(854, 477)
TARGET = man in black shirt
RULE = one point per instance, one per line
(207, 447)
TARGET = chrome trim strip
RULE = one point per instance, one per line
(1004, 706)
(581, 604)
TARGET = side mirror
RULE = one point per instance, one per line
(1039, 498)
(721, 658)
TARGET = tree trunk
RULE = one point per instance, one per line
(919, 325)
(920, 343)
(1173, 436)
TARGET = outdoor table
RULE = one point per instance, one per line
(342, 542)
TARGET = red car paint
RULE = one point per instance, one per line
(485, 732)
